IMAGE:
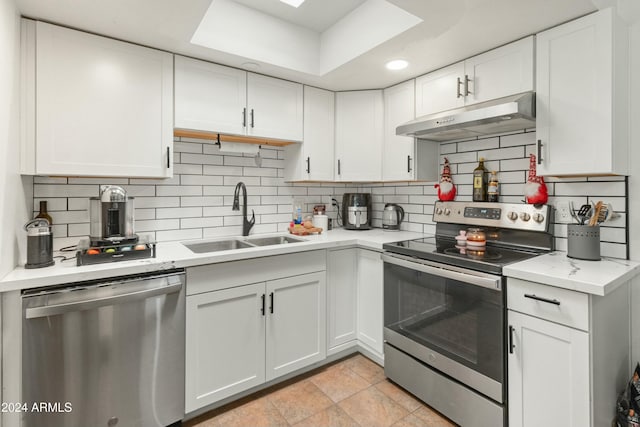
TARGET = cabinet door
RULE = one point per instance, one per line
(319, 133)
(274, 108)
(210, 97)
(548, 374)
(501, 72)
(225, 344)
(439, 91)
(342, 275)
(574, 96)
(103, 107)
(313, 159)
(370, 309)
(359, 135)
(296, 326)
(398, 154)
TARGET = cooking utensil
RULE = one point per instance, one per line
(572, 212)
(595, 214)
(583, 213)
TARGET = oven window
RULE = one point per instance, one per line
(459, 320)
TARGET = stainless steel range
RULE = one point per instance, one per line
(445, 306)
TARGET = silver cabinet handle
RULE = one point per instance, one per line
(469, 277)
(539, 146)
(466, 85)
(339, 167)
(252, 119)
(52, 310)
(459, 95)
(541, 299)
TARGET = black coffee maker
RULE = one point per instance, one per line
(39, 243)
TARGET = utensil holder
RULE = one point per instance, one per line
(583, 242)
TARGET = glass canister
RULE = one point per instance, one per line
(476, 237)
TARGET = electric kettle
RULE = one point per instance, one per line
(392, 216)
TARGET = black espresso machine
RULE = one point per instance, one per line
(112, 236)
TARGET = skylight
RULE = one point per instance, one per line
(231, 27)
(294, 3)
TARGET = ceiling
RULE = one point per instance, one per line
(445, 32)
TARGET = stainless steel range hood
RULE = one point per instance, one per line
(507, 114)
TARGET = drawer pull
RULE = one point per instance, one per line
(547, 300)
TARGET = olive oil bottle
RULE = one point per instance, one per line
(480, 182)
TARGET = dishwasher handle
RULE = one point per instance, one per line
(89, 304)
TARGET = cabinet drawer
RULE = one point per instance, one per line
(550, 303)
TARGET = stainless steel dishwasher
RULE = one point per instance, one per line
(107, 353)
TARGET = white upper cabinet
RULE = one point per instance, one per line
(398, 154)
(439, 91)
(359, 135)
(274, 108)
(500, 72)
(313, 159)
(582, 97)
(219, 99)
(210, 97)
(94, 106)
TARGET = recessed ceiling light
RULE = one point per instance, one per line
(294, 3)
(397, 64)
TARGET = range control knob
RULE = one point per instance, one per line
(512, 215)
(447, 211)
(525, 216)
(438, 211)
(538, 217)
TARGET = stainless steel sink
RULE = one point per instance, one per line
(274, 240)
(220, 245)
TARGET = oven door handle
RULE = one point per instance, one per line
(470, 277)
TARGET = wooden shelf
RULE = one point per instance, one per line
(230, 138)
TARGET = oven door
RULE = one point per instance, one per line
(450, 318)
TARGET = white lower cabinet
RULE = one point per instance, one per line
(296, 323)
(546, 354)
(241, 334)
(342, 277)
(225, 344)
(568, 355)
(369, 307)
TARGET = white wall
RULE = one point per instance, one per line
(14, 193)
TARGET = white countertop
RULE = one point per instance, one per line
(591, 277)
(171, 255)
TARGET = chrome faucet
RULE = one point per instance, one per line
(246, 225)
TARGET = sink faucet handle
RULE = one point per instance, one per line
(253, 217)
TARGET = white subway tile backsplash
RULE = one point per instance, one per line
(179, 212)
(53, 204)
(156, 224)
(186, 201)
(157, 202)
(215, 221)
(65, 190)
(476, 145)
(517, 139)
(173, 235)
(201, 159)
(196, 202)
(179, 190)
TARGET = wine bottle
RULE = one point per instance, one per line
(43, 212)
(480, 182)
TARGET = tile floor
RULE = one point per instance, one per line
(352, 392)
